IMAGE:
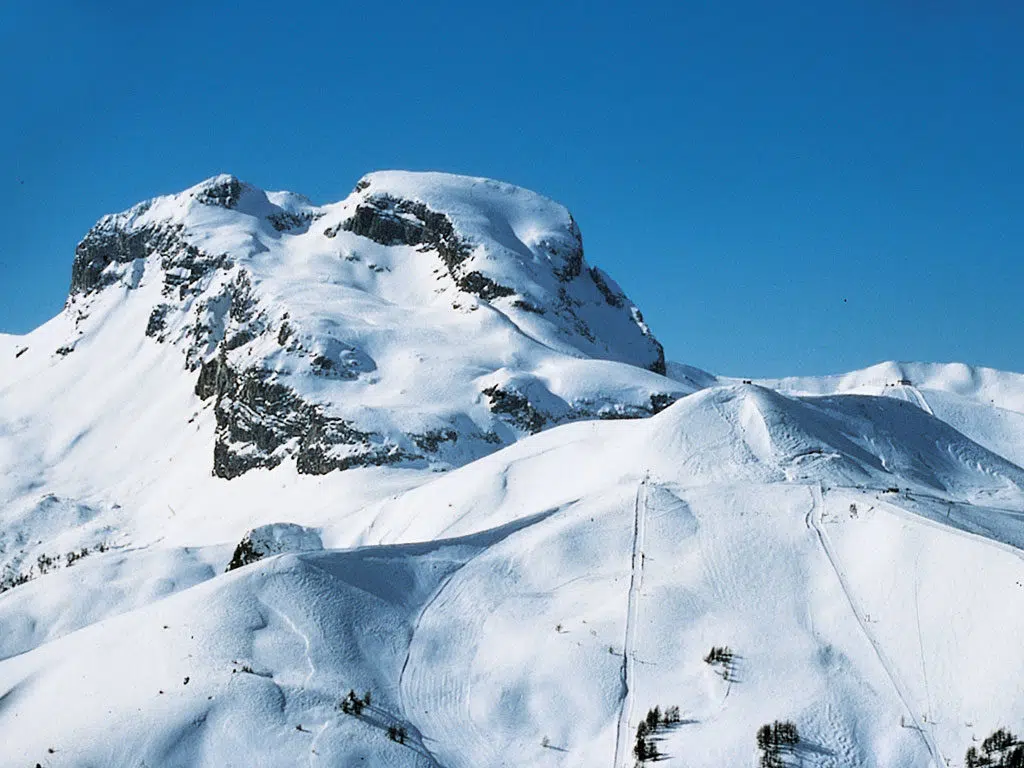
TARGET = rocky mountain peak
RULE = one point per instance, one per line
(295, 317)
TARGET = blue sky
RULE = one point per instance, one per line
(783, 188)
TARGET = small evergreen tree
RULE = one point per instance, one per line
(973, 760)
(773, 739)
(352, 704)
(787, 734)
(1000, 750)
(640, 749)
(644, 748)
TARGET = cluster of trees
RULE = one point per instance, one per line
(44, 564)
(13, 578)
(775, 739)
(719, 655)
(353, 705)
(1000, 750)
(645, 748)
(723, 657)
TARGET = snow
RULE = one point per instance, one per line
(855, 540)
(278, 538)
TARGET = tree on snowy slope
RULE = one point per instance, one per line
(1000, 750)
(775, 739)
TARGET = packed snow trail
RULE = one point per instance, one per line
(922, 403)
(622, 735)
(418, 737)
(814, 522)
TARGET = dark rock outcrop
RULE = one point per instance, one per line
(573, 259)
(225, 192)
(658, 366)
(613, 298)
(114, 240)
(517, 409)
(260, 422)
(431, 441)
(285, 221)
(157, 320)
(390, 220)
(108, 243)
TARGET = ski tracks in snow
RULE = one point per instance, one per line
(433, 690)
(921, 402)
(416, 734)
(813, 520)
(622, 737)
(305, 639)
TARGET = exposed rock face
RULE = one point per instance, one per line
(114, 240)
(516, 409)
(226, 191)
(260, 423)
(613, 298)
(391, 221)
(286, 221)
(111, 242)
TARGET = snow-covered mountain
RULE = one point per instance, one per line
(425, 319)
(412, 444)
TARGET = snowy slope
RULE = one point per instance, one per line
(484, 646)
(418, 381)
(984, 385)
(983, 403)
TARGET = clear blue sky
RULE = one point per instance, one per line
(783, 187)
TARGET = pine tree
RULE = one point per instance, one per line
(786, 734)
(1000, 750)
(640, 749)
